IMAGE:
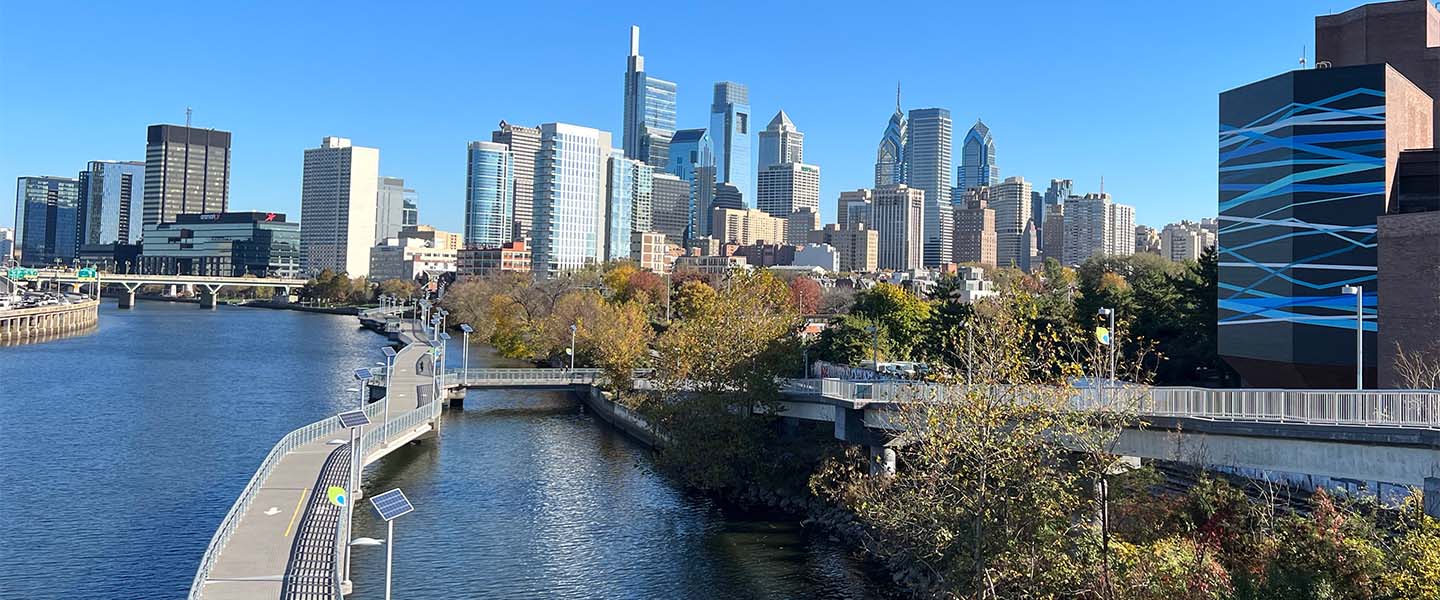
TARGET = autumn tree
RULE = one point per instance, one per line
(618, 339)
(901, 315)
(805, 293)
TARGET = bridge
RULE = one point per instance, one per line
(207, 285)
(282, 538)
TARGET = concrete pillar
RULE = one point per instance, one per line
(207, 297)
(1432, 496)
(174, 290)
(127, 299)
(882, 460)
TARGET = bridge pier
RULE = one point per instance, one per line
(208, 295)
(127, 297)
(882, 460)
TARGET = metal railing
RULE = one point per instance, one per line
(295, 439)
(1372, 408)
(380, 436)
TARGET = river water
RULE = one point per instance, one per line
(120, 450)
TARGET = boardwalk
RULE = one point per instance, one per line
(280, 537)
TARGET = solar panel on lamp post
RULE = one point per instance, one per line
(355, 421)
(389, 376)
(465, 352)
(390, 506)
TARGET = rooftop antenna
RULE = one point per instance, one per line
(1302, 56)
(187, 116)
(1102, 185)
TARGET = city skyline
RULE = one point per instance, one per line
(416, 135)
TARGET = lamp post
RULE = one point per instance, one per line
(1110, 312)
(573, 327)
(355, 421)
(874, 349)
(1359, 294)
(389, 377)
(465, 351)
(390, 505)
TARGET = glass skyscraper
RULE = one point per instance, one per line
(730, 132)
(628, 203)
(890, 156)
(692, 159)
(927, 167)
(649, 110)
(489, 200)
(46, 220)
(571, 181)
(111, 201)
(977, 160)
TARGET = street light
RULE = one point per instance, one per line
(389, 376)
(355, 421)
(1359, 294)
(390, 505)
(573, 327)
(1110, 340)
(440, 372)
(465, 351)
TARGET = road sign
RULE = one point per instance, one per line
(86, 273)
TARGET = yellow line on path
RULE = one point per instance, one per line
(298, 504)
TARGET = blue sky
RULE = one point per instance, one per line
(1124, 89)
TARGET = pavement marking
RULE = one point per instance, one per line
(299, 503)
(274, 510)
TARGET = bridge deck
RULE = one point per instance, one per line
(256, 560)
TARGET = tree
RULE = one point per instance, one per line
(618, 339)
(399, 288)
(847, 341)
(805, 293)
(695, 298)
(900, 314)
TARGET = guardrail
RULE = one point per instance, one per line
(1370, 408)
(299, 437)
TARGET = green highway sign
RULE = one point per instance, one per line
(86, 273)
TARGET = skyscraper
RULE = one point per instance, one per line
(854, 208)
(628, 204)
(1096, 226)
(781, 142)
(46, 220)
(975, 228)
(785, 188)
(1057, 193)
(489, 195)
(927, 168)
(187, 171)
(692, 158)
(111, 202)
(571, 190)
(730, 132)
(7, 245)
(799, 225)
(899, 224)
(649, 110)
(977, 159)
(394, 207)
(524, 144)
(337, 207)
(1011, 200)
(672, 207)
(890, 156)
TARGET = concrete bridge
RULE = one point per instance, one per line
(208, 286)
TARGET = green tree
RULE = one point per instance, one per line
(901, 315)
(847, 341)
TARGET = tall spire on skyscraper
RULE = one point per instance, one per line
(897, 95)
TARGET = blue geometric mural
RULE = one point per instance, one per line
(1302, 180)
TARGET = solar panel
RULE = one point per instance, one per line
(389, 352)
(391, 504)
(466, 328)
(444, 336)
(363, 374)
(353, 418)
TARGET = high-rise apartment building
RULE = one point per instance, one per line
(489, 195)
(112, 199)
(649, 110)
(1097, 226)
(857, 246)
(730, 132)
(187, 171)
(975, 240)
(1011, 200)
(47, 219)
(672, 207)
(629, 207)
(524, 145)
(1052, 237)
(571, 181)
(1057, 193)
(1147, 240)
(890, 155)
(787, 187)
(781, 142)
(1184, 241)
(395, 207)
(337, 207)
(747, 226)
(800, 223)
(927, 168)
(977, 159)
(855, 207)
(900, 227)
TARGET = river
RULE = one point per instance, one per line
(121, 449)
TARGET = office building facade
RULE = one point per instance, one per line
(47, 220)
(890, 155)
(855, 207)
(260, 244)
(747, 227)
(927, 168)
(337, 207)
(187, 171)
(112, 199)
(489, 195)
(395, 207)
(649, 110)
(672, 215)
(524, 145)
(975, 240)
(977, 159)
(781, 142)
(1011, 200)
(730, 132)
(899, 216)
(858, 247)
(788, 187)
